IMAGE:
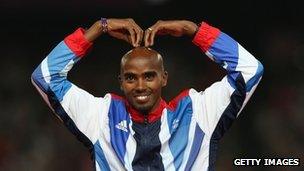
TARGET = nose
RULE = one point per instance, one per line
(141, 85)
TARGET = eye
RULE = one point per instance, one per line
(149, 76)
(129, 77)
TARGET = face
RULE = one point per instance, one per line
(141, 80)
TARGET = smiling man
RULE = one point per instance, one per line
(141, 131)
(142, 78)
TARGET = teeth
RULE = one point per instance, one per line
(142, 97)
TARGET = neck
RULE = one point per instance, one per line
(148, 115)
(148, 111)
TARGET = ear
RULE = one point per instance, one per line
(165, 78)
(120, 82)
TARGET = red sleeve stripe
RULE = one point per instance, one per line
(117, 97)
(205, 36)
(173, 103)
(77, 42)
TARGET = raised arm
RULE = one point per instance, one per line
(217, 107)
(80, 111)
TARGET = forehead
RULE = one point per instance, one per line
(141, 64)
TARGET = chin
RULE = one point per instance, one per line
(142, 108)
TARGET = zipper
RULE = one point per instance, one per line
(146, 121)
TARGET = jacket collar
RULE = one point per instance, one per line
(151, 117)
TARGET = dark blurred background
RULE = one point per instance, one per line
(271, 125)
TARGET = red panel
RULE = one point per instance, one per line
(77, 42)
(205, 36)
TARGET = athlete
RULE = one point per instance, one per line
(141, 131)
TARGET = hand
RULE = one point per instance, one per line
(124, 29)
(175, 28)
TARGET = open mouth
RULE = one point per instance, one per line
(142, 98)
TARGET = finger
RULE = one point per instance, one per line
(147, 35)
(137, 36)
(121, 36)
(152, 33)
(138, 33)
(131, 35)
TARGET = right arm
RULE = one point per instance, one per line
(79, 110)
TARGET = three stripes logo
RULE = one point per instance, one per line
(122, 125)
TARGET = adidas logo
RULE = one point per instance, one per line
(122, 125)
(175, 123)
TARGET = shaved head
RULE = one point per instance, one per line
(143, 52)
(142, 77)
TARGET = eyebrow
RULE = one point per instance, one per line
(145, 73)
(128, 74)
(150, 73)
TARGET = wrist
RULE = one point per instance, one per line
(94, 31)
(191, 28)
(104, 25)
(197, 27)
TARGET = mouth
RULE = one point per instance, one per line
(142, 98)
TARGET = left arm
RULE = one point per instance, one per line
(219, 104)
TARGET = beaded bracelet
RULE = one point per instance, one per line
(104, 25)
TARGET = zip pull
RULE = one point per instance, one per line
(146, 121)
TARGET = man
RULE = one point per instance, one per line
(141, 131)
